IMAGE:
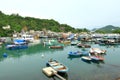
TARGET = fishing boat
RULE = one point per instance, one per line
(59, 67)
(74, 42)
(87, 58)
(85, 53)
(17, 44)
(56, 47)
(94, 58)
(97, 50)
(80, 45)
(77, 53)
(100, 58)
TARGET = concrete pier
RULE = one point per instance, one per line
(49, 71)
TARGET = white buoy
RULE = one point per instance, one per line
(42, 55)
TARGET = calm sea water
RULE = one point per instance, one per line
(27, 64)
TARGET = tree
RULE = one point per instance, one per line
(116, 31)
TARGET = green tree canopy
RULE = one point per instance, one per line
(18, 22)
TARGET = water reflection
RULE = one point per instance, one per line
(34, 49)
(32, 64)
(64, 75)
(110, 46)
(73, 57)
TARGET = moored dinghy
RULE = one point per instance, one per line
(75, 42)
(56, 47)
(77, 53)
(97, 58)
(59, 67)
(86, 59)
(94, 58)
(17, 44)
(81, 45)
(97, 50)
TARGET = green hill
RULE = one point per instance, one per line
(108, 29)
(17, 23)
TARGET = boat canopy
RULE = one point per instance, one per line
(19, 41)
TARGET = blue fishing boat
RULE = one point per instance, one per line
(85, 53)
(59, 67)
(97, 51)
(16, 47)
(77, 53)
(17, 44)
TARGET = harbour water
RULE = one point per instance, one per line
(27, 64)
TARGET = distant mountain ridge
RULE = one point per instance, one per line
(107, 29)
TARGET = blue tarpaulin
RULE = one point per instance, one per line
(71, 36)
(19, 40)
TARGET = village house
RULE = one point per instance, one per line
(6, 27)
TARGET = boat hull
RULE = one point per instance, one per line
(59, 67)
(74, 53)
(56, 47)
(16, 47)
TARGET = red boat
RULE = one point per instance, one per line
(56, 47)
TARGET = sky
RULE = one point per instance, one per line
(76, 13)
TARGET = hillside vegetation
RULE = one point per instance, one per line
(109, 29)
(17, 23)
